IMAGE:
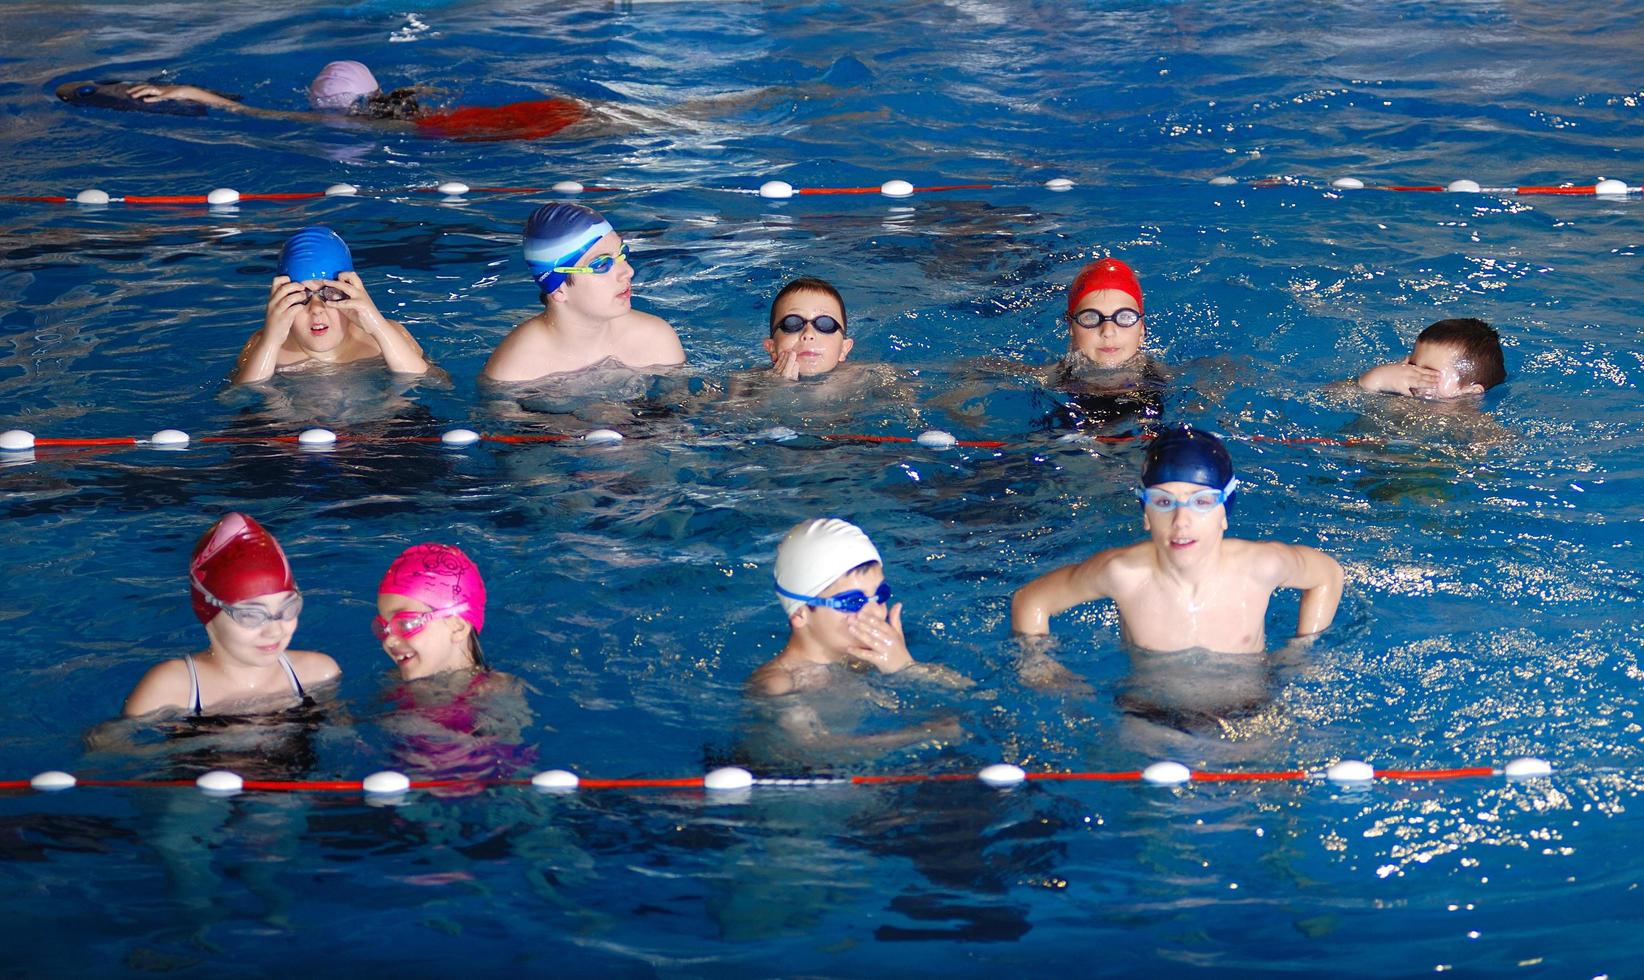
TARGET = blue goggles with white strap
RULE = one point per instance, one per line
(1199, 502)
(845, 602)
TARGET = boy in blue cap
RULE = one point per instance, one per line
(582, 267)
(320, 312)
(1187, 586)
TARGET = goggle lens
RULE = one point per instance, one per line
(1093, 319)
(794, 323)
(253, 615)
(1200, 502)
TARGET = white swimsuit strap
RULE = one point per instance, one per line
(194, 682)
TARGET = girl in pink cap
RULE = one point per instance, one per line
(430, 610)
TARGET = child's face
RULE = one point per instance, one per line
(1184, 531)
(1108, 345)
(600, 295)
(319, 327)
(815, 352)
(441, 644)
(257, 647)
(1450, 363)
(831, 627)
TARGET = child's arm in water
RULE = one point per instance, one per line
(1316, 574)
(146, 92)
(261, 354)
(1398, 378)
(802, 724)
(1058, 591)
(401, 350)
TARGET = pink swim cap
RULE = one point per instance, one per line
(1103, 274)
(234, 561)
(439, 576)
(341, 84)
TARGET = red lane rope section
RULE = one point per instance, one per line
(110, 441)
(1435, 187)
(686, 782)
(1466, 773)
(35, 200)
(286, 196)
(1250, 777)
(1558, 190)
(1106, 777)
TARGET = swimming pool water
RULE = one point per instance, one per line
(1493, 570)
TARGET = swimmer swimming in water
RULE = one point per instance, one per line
(1186, 586)
(319, 311)
(1456, 358)
(245, 595)
(583, 269)
(430, 610)
(345, 91)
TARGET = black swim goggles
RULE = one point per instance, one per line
(1124, 317)
(845, 602)
(794, 323)
(327, 294)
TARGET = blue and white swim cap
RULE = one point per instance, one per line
(1188, 455)
(315, 253)
(558, 234)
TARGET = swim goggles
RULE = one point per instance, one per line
(845, 602)
(599, 266)
(254, 615)
(1093, 319)
(409, 622)
(1199, 502)
(327, 294)
(794, 323)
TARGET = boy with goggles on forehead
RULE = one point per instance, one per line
(1187, 587)
(831, 584)
(584, 271)
(244, 593)
(319, 312)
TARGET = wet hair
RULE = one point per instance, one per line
(1479, 347)
(398, 104)
(809, 284)
(475, 652)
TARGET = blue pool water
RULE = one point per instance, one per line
(1493, 570)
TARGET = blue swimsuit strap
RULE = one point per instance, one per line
(195, 707)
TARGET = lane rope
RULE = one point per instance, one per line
(388, 783)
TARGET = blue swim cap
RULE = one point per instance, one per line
(1188, 455)
(315, 253)
(558, 234)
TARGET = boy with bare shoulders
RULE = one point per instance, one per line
(1187, 586)
(831, 584)
(319, 312)
(582, 267)
(1452, 359)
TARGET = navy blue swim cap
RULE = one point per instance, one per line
(558, 234)
(1188, 455)
(315, 253)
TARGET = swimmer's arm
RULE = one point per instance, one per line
(261, 355)
(1398, 378)
(183, 93)
(668, 349)
(313, 668)
(1055, 592)
(511, 361)
(402, 352)
(1318, 576)
(772, 680)
(164, 686)
(801, 724)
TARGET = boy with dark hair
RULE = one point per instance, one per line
(1454, 358)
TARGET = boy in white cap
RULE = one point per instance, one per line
(581, 265)
(831, 583)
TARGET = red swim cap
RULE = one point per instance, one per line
(1103, 274)
(234, 561)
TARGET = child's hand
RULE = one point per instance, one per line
(359, 303)
(153, 93)
(285, 298)
(787, 364)
(1399, 378)
(879, 641)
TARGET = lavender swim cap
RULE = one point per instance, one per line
(341, 84)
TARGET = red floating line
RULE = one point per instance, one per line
(165, 199)
(836, 190)
(1466, 773)
(851, 437)
(284, 196)
(1558, 190)
(36, 200)
(316, 785)
(1252, 777)
(508, 190)
(948, 777)
(1102, 777)
(1434, 187)
(17, 784)
(684, 782)
(250, 439)
(544, 437)
(108, 441)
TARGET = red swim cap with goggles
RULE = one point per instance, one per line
(234, 561)
(1103, 274)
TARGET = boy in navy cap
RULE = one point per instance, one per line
(319, 311)
(581, 265)
(1187, 586)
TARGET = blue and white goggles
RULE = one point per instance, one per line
(845, 602)
(1199, 502)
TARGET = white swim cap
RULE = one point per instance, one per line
(815, 553)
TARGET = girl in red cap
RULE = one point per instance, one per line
(1104, 313)
(244, 593)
